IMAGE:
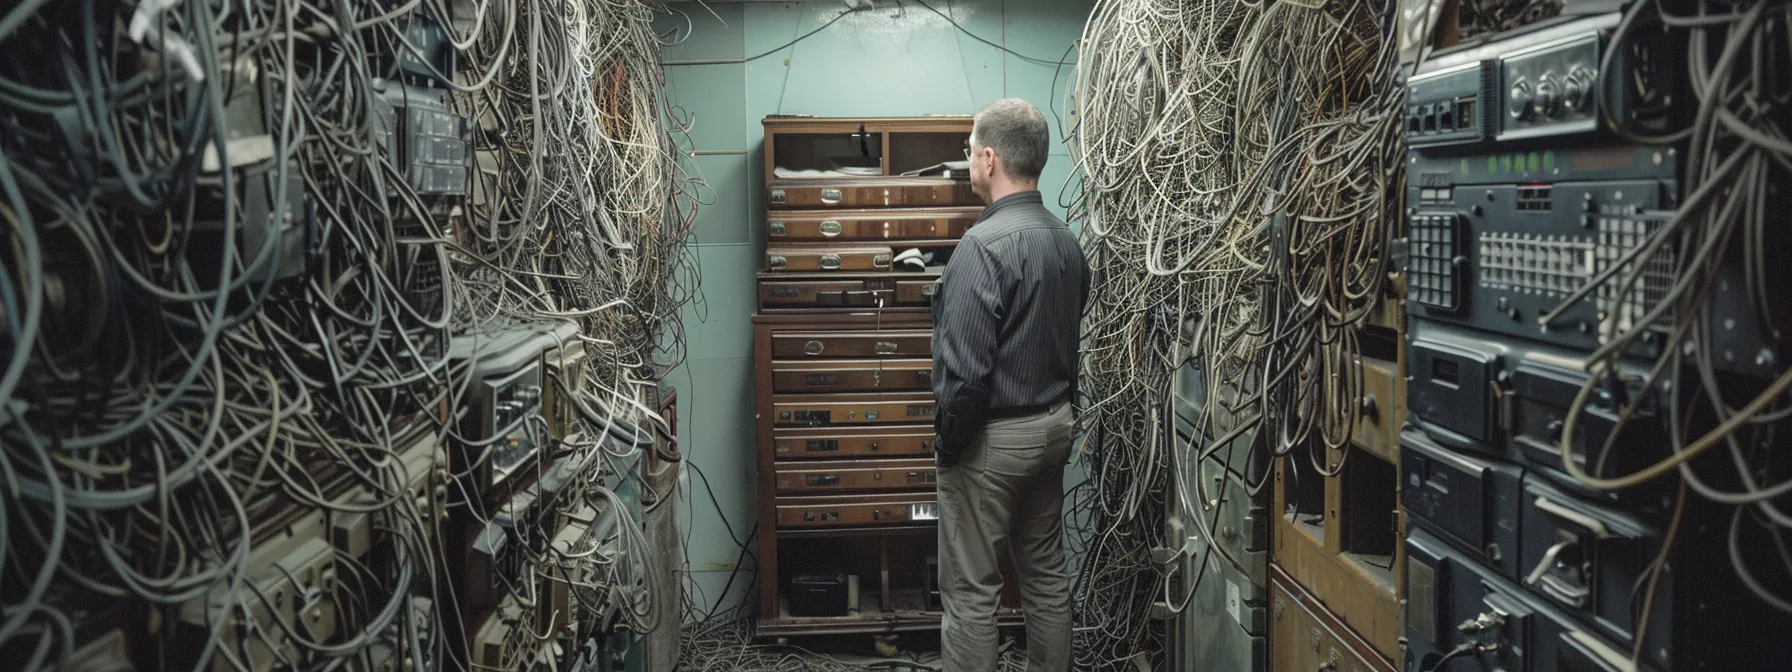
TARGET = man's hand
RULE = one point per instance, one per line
(957, 423)
(942, 457)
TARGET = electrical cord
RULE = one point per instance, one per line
(182, 378)
(1240, 165)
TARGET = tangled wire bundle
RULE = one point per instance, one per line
(171, 383)
(1241, 165)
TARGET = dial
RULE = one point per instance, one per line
(1520, 100)
(1549, 94)
(1577, 90)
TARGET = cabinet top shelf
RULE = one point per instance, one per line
(940, 124)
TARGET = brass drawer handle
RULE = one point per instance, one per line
(830, 228)
(830, 262)
(777, 195)
(814, 348)
(831, 196)
(881, 261)
(884, 347)
(777, 262)
(777, 228)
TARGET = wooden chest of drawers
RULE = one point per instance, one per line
(844, 363)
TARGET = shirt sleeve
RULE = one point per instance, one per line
(968, 319)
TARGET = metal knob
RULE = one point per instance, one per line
(1577, 90)
(1549, 95)
(1520, 100)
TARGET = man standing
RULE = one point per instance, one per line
(1005, 334)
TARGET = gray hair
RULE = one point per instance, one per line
(1016, 130)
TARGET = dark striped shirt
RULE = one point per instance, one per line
(1008, 310)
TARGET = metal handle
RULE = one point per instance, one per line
(814, 348)
(777, 195)
(777, 262)
(1564, 592)
(884, 347)
(881, 261)
(777, 228)
(830, 262)
(831, 196)
(1549, 558)
(1573, 517)
(830, 228)
(1554, 586)
(822, 480)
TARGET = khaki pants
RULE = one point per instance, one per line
(1006, 495)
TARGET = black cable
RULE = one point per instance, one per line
(1461, 650)
(802, 37)
(979, 38)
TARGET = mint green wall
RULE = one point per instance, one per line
(894, 60)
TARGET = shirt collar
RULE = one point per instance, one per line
(1012, 200)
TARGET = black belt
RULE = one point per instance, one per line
(1006, 412)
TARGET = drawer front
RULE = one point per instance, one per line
(1302, 639)
(822, 512)
(896, 375)
(789, 345)
(819, 293)
(1383, 409)
(803, 444)
(831, 293)
(880, 193)
(848, 410)
(851, 226)
(856, 475)
(916, 292)
(821, 258)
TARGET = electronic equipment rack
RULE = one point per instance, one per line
(843, 363)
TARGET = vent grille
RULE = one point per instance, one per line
(1433, 273)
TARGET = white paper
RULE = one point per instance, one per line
(1234, 605)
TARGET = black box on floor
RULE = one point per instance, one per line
(818, 595)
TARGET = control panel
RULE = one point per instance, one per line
(1454, 105)
(510, 400)
(422, 138)
(1516, 259)
(288, 598)
(1548, 88)
(500, 414)
(1542, 84)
